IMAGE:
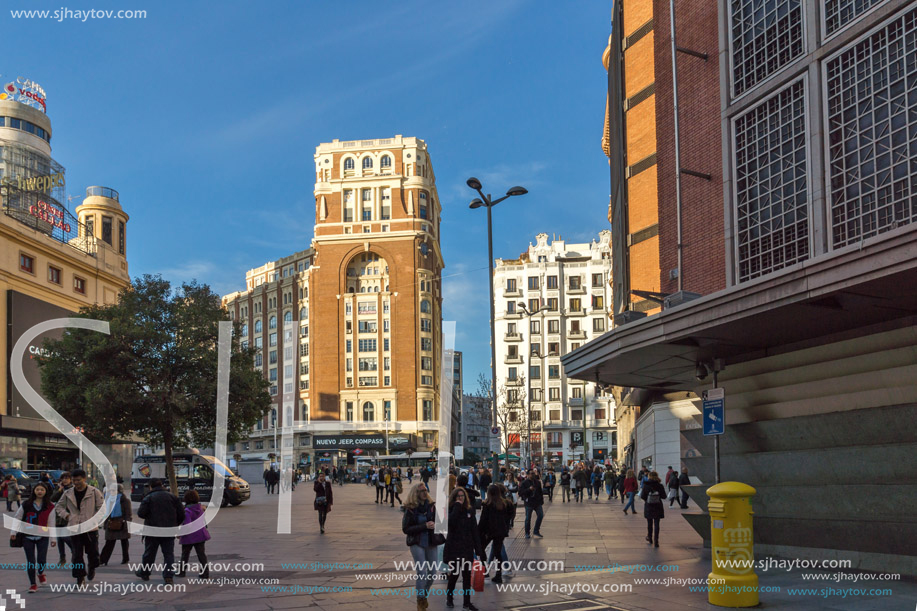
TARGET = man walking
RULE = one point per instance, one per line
(163, 509)
(684, 480)
(272, 478)
(668, 475)
(77, 505)
(267, 480)
(565, 479)
(533, 495)
(486, 480)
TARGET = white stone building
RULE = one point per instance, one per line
(551, 300)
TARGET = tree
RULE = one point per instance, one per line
(512, 413)
(155, 374)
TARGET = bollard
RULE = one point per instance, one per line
(733, 582)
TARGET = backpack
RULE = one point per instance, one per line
(653, 497)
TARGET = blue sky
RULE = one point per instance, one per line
(205, 117)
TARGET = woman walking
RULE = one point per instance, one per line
(596, 482)
(512, 486)
(462, 543)
(630, 489)
(197, 539)
(324, 498)
(11, 492)
(116, 529)
(673, 490)
(652, 494)
(397, 488)
(417, 524)
(494, 526)
(36, 511)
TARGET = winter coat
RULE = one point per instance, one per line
(684, 480)
(12, 491)
(565, 478)
(653, 510)
(414, 523)
(92, 503)
(630, 484)
(486, 480)
(324, 490)
(193, 512)
(609, 478)
(161, 508)
(673, 483)
(494, 523)
(549, 479)
(532, 493)
(37, 519)
(463, 540)
(580, 477)
(126, 516)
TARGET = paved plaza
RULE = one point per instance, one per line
(583, 536)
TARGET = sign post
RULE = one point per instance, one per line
(495, 440)
(715, 421)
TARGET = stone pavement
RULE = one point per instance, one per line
(591, 539)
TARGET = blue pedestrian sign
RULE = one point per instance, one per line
(714, 411)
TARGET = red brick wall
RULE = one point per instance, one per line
(701, 148)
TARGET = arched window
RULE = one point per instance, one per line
(425, 306)
(288, 317)
(272, 322)
(304, 314)
(386, 162)
(257, 326)
(367, 163)
(348, 164)
(369, 412)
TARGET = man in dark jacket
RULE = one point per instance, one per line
(66, 483)
(273, 477)
(684, 480)
(486, 480)
(159, 508)
(533, 495)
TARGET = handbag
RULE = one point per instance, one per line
(321, 500)
(477, 576)
(672, 494)
(115, 524)
(438, 539)
(17, 540)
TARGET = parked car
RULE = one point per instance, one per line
(24, 481)
(54, 474)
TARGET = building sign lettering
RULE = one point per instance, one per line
(26, 91)
(51, 215)
(38, 183)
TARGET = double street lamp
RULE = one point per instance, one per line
(488, 202)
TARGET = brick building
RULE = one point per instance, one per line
(350, 329)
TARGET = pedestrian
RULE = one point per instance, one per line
(493, 527)
(462, 543)
(580, 482)
(652, 494)
(389, 493)
(668, 475)
(621, 477)
(410, 474)
(485, 481)
(162, 509)
(35, 512)
(462, 482)
(65, 483)
(549, 481)
(195, 540)
(379, 478)
(11, 492)
(452, 479)
(116, 529)
(273, 477)
(673, 490)
(630, 489)
(425, 476)
(609, 479)
(566, 480)
(418, 523)
(684, 480)
(533, 495)
(267, 480)
(77, 505)
(512, 486)
(397, 488)
(324, 499)
(596, 482)
(334, 474)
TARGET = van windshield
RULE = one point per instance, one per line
(218, 466)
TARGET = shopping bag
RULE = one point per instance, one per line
(477, 576)
(672, 494)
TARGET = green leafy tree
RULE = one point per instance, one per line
(155, 375)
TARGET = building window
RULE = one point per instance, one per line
(576, 392)
(600, 413)
(598, 302)
(872, 124)
(272, 339)
(426, 343)
(259, 342)
(426, 325)
(426, 363)
(54, 274)
(555, 438)
(348, 164)
(348, 411)
(348, 345)
(536, 349)
(537, 395)
(385, 345)
(427, 410)
(511, 285)
(367, 163)
(272, 357)
(535, 326)
(553, 372)
(272, 322)
(426, 380)
(425, 307)
(771, 189)
(552, 304)
(554, 326)
(367, 345)
(596, 281)
(79, 285)
(552, 282)
(258, 359)
(27, 263)
(575, 283)
(369, 381)
(387, 410)
(598, 324)
(121, 237)
(106, 230)
(766, 36)
(535, 372)
(533, 283)
(576, 305)
(553, 348)
(423, 205)
(369, 412)
(839, 13)
(576, 414)
(272, 374)
(387, 363)
(348, 364)
(386, 161)
(511, 374)
(369, 364)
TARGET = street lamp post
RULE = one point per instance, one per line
(488, 202)
(274, 426)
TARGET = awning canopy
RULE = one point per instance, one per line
(837, 297)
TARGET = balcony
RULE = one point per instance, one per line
(512, 337)
(575, 401)
(512, 315)
(577, 334)
(579, 312)
(514, 382)
(515, 292)
(513, 359)
(579, 290)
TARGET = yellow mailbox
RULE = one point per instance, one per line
(733, 582)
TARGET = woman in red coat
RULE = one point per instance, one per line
(630, 489)
(324, 498)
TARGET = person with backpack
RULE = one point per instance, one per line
(652, 494)
(116, 529)
(195, 540)
(36, 512)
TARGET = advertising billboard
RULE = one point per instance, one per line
(23, 313)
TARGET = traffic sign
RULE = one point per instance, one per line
(495, 430)
(714, 411)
